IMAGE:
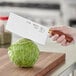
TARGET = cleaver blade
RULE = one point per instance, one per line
(27, 28)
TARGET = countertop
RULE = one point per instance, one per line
(52, 46)
(70, 52)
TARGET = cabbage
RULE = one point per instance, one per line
(23, 53)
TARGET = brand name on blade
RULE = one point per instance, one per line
(36, 26)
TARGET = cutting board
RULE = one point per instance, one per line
(47, 62)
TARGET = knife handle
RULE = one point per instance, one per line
(67, 37)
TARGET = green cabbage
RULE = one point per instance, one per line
(24, 53)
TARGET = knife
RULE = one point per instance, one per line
(31, 30)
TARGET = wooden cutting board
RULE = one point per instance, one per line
(47, 62)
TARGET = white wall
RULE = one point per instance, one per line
(68, 8)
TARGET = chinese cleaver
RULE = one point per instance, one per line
(31, 30)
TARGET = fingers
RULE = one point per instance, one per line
(66, 44)
(60, 40)
(63, 43)
(55, 37)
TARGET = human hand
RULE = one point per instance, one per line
(62, 38)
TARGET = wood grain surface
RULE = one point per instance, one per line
(47, 62)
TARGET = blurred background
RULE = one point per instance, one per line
(46, 12)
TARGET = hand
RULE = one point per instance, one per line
(61, 39)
